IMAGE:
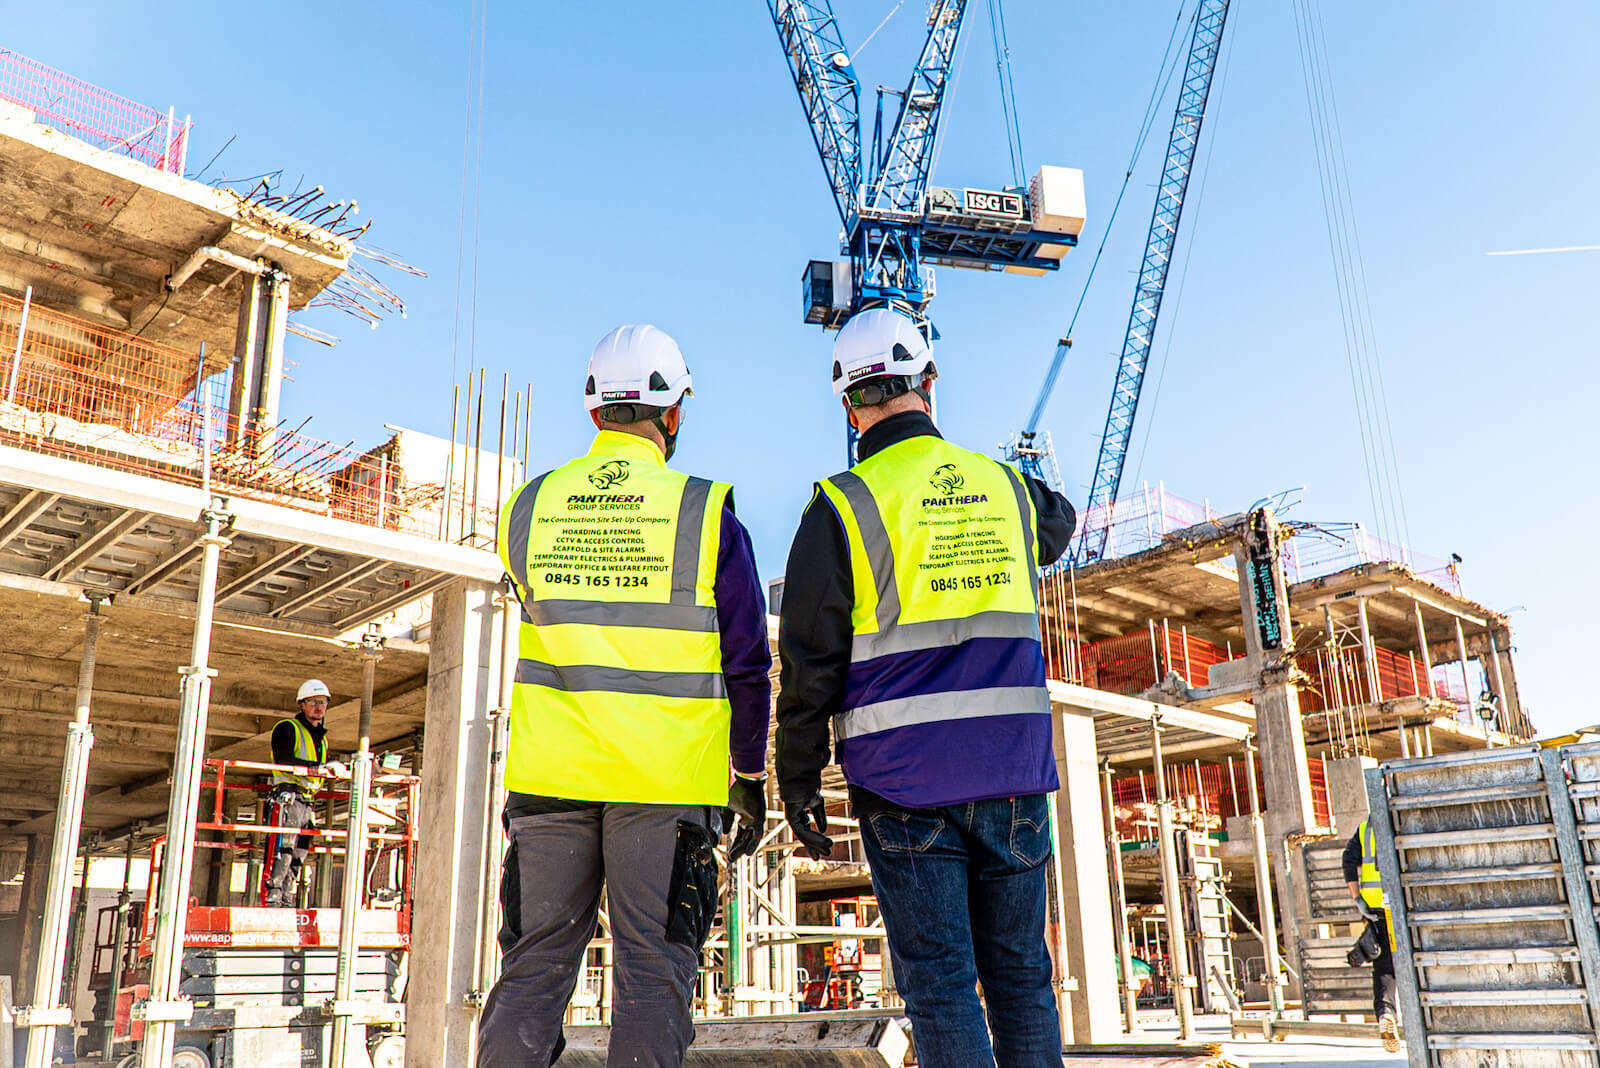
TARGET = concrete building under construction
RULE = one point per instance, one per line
(175, 559)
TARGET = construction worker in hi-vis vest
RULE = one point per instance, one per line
(1360, 863)
(301, 742)
(910, 622)
(642, 675)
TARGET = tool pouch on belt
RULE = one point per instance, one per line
(1366, 948)
(692, 894)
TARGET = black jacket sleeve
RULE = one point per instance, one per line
(1352, 859)
(283, 746)
(1056, 521)
(813, 648)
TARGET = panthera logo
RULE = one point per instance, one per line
(946, 479)
(608, 474)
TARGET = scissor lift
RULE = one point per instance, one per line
(262, 979)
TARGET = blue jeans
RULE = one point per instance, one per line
(962, 892)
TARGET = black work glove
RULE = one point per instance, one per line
(747, 799)
(801, 815)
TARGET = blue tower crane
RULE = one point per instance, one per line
(894, 224)
(1204, 46)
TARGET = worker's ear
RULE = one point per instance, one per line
(850, 414)
(673, 417)
(595, 418)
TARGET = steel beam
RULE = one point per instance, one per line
(1171, 891)
(388, 604)
(1263, 871)
(164, 1009)
(93, 545)
(25, 511)
(310, 596)
(264, 570)
(355, 867)
(1119, 911)
(162, 570)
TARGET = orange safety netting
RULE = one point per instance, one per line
(92, 114)
(102, 396)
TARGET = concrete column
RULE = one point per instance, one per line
(1279, 733)
(1080, 838)
(1347, 792)
(1506, 680)
(1422, 647)
(258, 356)
(30, 914)
(441, 1022)
(58, 893)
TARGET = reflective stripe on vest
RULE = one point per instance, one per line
(306, 749)
(945, 620)
(619, 693)
(1371, 883)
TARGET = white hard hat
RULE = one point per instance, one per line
(877, 343)
(312, 688)
(637, 364)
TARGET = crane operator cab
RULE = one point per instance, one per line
(262, 978)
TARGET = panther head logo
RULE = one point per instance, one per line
(946, 479)
(609, 474)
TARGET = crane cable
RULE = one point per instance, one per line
(1213, 125)
(868, 40)
(1362, 356)
(477, 41)
(1008, 88)
(1158, 91)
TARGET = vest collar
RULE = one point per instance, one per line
(895, 429)
(616, 443)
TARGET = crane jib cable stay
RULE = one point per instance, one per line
(1030, 449)
(1204, 47)
(895, 225)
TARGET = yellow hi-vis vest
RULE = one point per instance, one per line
(619, 693)
(305, 749)
(945, 628)
(1371, 884)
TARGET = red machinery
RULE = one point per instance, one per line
(258, 976)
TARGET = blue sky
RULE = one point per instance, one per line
(650, 162)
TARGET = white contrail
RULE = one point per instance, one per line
(1538, 251)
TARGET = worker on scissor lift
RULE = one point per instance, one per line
(642, 668)
(1360, 862)
(910, 621)
(303, 742)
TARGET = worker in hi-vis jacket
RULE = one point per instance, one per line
(642, 669)
(1360, 862)
(910, 621)
(301, 742)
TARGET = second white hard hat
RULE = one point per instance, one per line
(312, 688)
(876, 343)
(637, 364)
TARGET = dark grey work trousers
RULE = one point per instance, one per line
(1384, 999)
(294, 809)
(556, 865)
